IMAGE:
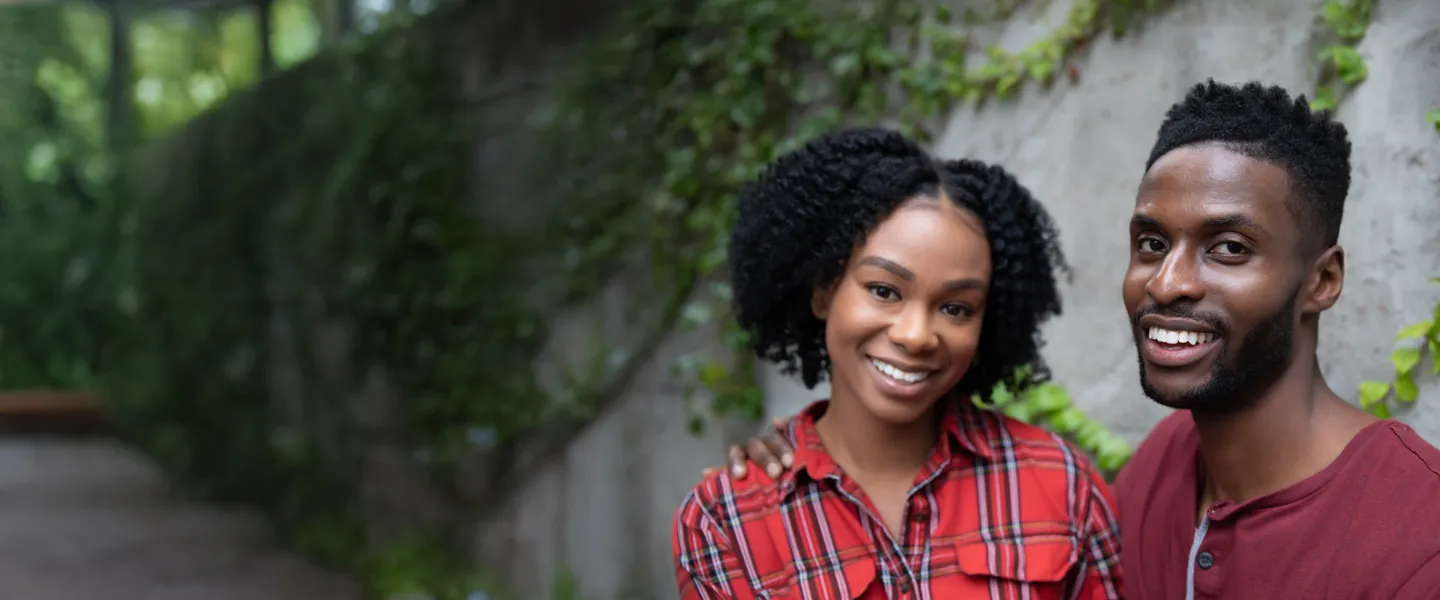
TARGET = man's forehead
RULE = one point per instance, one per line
(1212, 179)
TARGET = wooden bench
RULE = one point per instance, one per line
(51, 411)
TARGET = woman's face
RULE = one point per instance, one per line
(903, 321)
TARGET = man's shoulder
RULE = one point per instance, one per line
(1386, 494)
(1394, 463)
(1413, 451)
(1173, 438)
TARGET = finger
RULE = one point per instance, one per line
(709, 471)
(737, 462)
(779, 422)
(762, 455)
(777, 445)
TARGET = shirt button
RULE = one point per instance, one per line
(905, 585)
(919, 517)
(1205, 560)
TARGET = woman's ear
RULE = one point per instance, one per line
(820, 302)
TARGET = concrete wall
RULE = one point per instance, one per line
(603, 510)
(1081, 149)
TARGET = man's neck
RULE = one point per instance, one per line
(1296, 429)
(862, 444)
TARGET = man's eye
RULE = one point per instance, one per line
(1231, 248)
(1151, 245)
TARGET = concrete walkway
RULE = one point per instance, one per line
(89, 519)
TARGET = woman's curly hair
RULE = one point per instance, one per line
(812, 207)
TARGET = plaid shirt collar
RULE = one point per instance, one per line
(963, 428)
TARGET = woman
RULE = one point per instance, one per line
(912, 284)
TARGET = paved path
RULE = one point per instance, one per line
(89, 519)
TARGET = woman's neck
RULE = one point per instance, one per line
(863, 444)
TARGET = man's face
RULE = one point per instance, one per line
(1215, 272)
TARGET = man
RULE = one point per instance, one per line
(1264, 483)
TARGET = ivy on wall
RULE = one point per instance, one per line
(1342, 68)
(1419, 340)
(718, 88)
(339, 189)
(1407, 360)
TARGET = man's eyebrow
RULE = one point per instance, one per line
(1144, 222)
(1233, 221)
(888, 265)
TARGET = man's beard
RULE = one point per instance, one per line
(1236, 384)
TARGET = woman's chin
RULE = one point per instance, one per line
(898, 412)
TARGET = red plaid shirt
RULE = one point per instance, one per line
(1001, 510)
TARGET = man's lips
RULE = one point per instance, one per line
(1175, 348)
(1153, 321)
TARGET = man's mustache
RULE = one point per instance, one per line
(1180, 312)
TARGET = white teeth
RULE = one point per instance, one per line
(894, 373)
(1171, 336)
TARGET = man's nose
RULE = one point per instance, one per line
(1178, 279)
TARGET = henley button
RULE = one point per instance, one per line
(1205, 560)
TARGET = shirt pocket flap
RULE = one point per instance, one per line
(1031, 559)
(852, 581)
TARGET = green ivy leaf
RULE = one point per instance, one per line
(1405, 389)
(714, 374)
(1067, 421)
(1006, 83)
(1048, 398)
(1380, 409)
(1414, 331)
(1434, 118)
(1349, 65)
(1091, 435)
(1372, 392)
(1041, 70)
(1324, 99)
(1112, 454)
(1000, 395)
(1434, 355)
(1405, 359)
(1020, 411)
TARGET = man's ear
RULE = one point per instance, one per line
(820, 302)
(1325, 281)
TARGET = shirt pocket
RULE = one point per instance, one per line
(1031, 566)
(856, 577)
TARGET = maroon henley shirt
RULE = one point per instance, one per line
(1365, 527)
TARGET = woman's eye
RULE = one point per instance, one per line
(956, 310)
(884, 292)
